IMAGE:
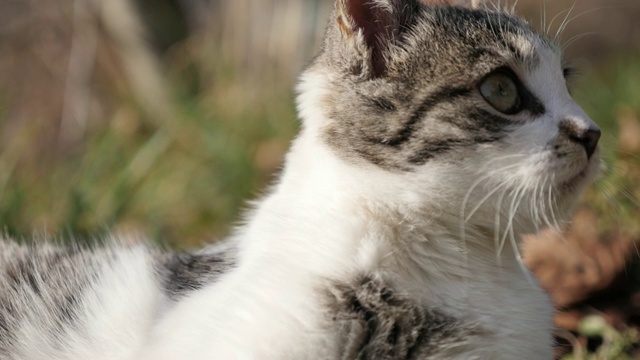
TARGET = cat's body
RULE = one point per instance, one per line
(432, 136)
(94, 303)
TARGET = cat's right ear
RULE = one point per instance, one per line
(370, 26)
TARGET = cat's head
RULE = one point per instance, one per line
(466, 101)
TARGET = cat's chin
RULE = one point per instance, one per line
(573, 185)
(569, 190)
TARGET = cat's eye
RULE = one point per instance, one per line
(501, 91)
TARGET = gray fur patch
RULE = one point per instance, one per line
(185, 272)
(42, 285)
(376, 323)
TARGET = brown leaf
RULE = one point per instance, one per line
(575, 264)
(629, 135)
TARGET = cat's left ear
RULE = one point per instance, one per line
(371, 26)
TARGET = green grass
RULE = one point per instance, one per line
(182, 181)
(616, 345)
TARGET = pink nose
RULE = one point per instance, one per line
(589, 139)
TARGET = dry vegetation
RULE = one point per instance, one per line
(162, 117)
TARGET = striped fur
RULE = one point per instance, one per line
(378, 324)
(424, 104)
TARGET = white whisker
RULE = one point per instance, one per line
(548, 28)
(519, 259)
(515, 203)
(552, 205)
(544, 16)
(513, 7)
(613, 203)
(565, 22)
(534, 207)
(496, 230)
(465, 218)
(544, 206)
(473, 211)
(629, 196)
(575, 38)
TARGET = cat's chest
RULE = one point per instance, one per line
(376, 320)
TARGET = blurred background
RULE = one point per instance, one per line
(162, 117)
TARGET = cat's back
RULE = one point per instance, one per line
(75, 302)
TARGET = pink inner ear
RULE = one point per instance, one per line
(378, 26)
(373, 20)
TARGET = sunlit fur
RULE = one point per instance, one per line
(421, 215)
(442, 233)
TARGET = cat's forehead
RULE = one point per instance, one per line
(481, 39)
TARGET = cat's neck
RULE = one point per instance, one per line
(334, 219)
(330, 216)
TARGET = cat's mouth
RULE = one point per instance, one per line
(582, 178)
(573, 184)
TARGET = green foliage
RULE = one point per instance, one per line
(183, 180)
(616, 345)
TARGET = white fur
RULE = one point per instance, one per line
(119, 310)
(329, 219)
(443, 235)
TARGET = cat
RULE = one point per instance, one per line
(433, 133)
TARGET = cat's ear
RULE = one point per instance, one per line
(372, 25)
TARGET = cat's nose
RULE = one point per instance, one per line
(589, 139)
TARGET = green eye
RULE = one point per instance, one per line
(499, 89)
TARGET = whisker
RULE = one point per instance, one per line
(599, 8)
(519, 259)
(496, 229)
(548, 28)
(513, 7)
(611, 201)
(476, 183)
(473, 211)
(565, 22)
(544, 198)
(515, 202)
(489, 165)
(629, 196)
(534, 206)
(575, 38)
(626, 153)
(552, 205)
(544, 16)
(614, 189)
(467, 195)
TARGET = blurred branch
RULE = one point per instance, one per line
(142, 67)
(82, 58)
